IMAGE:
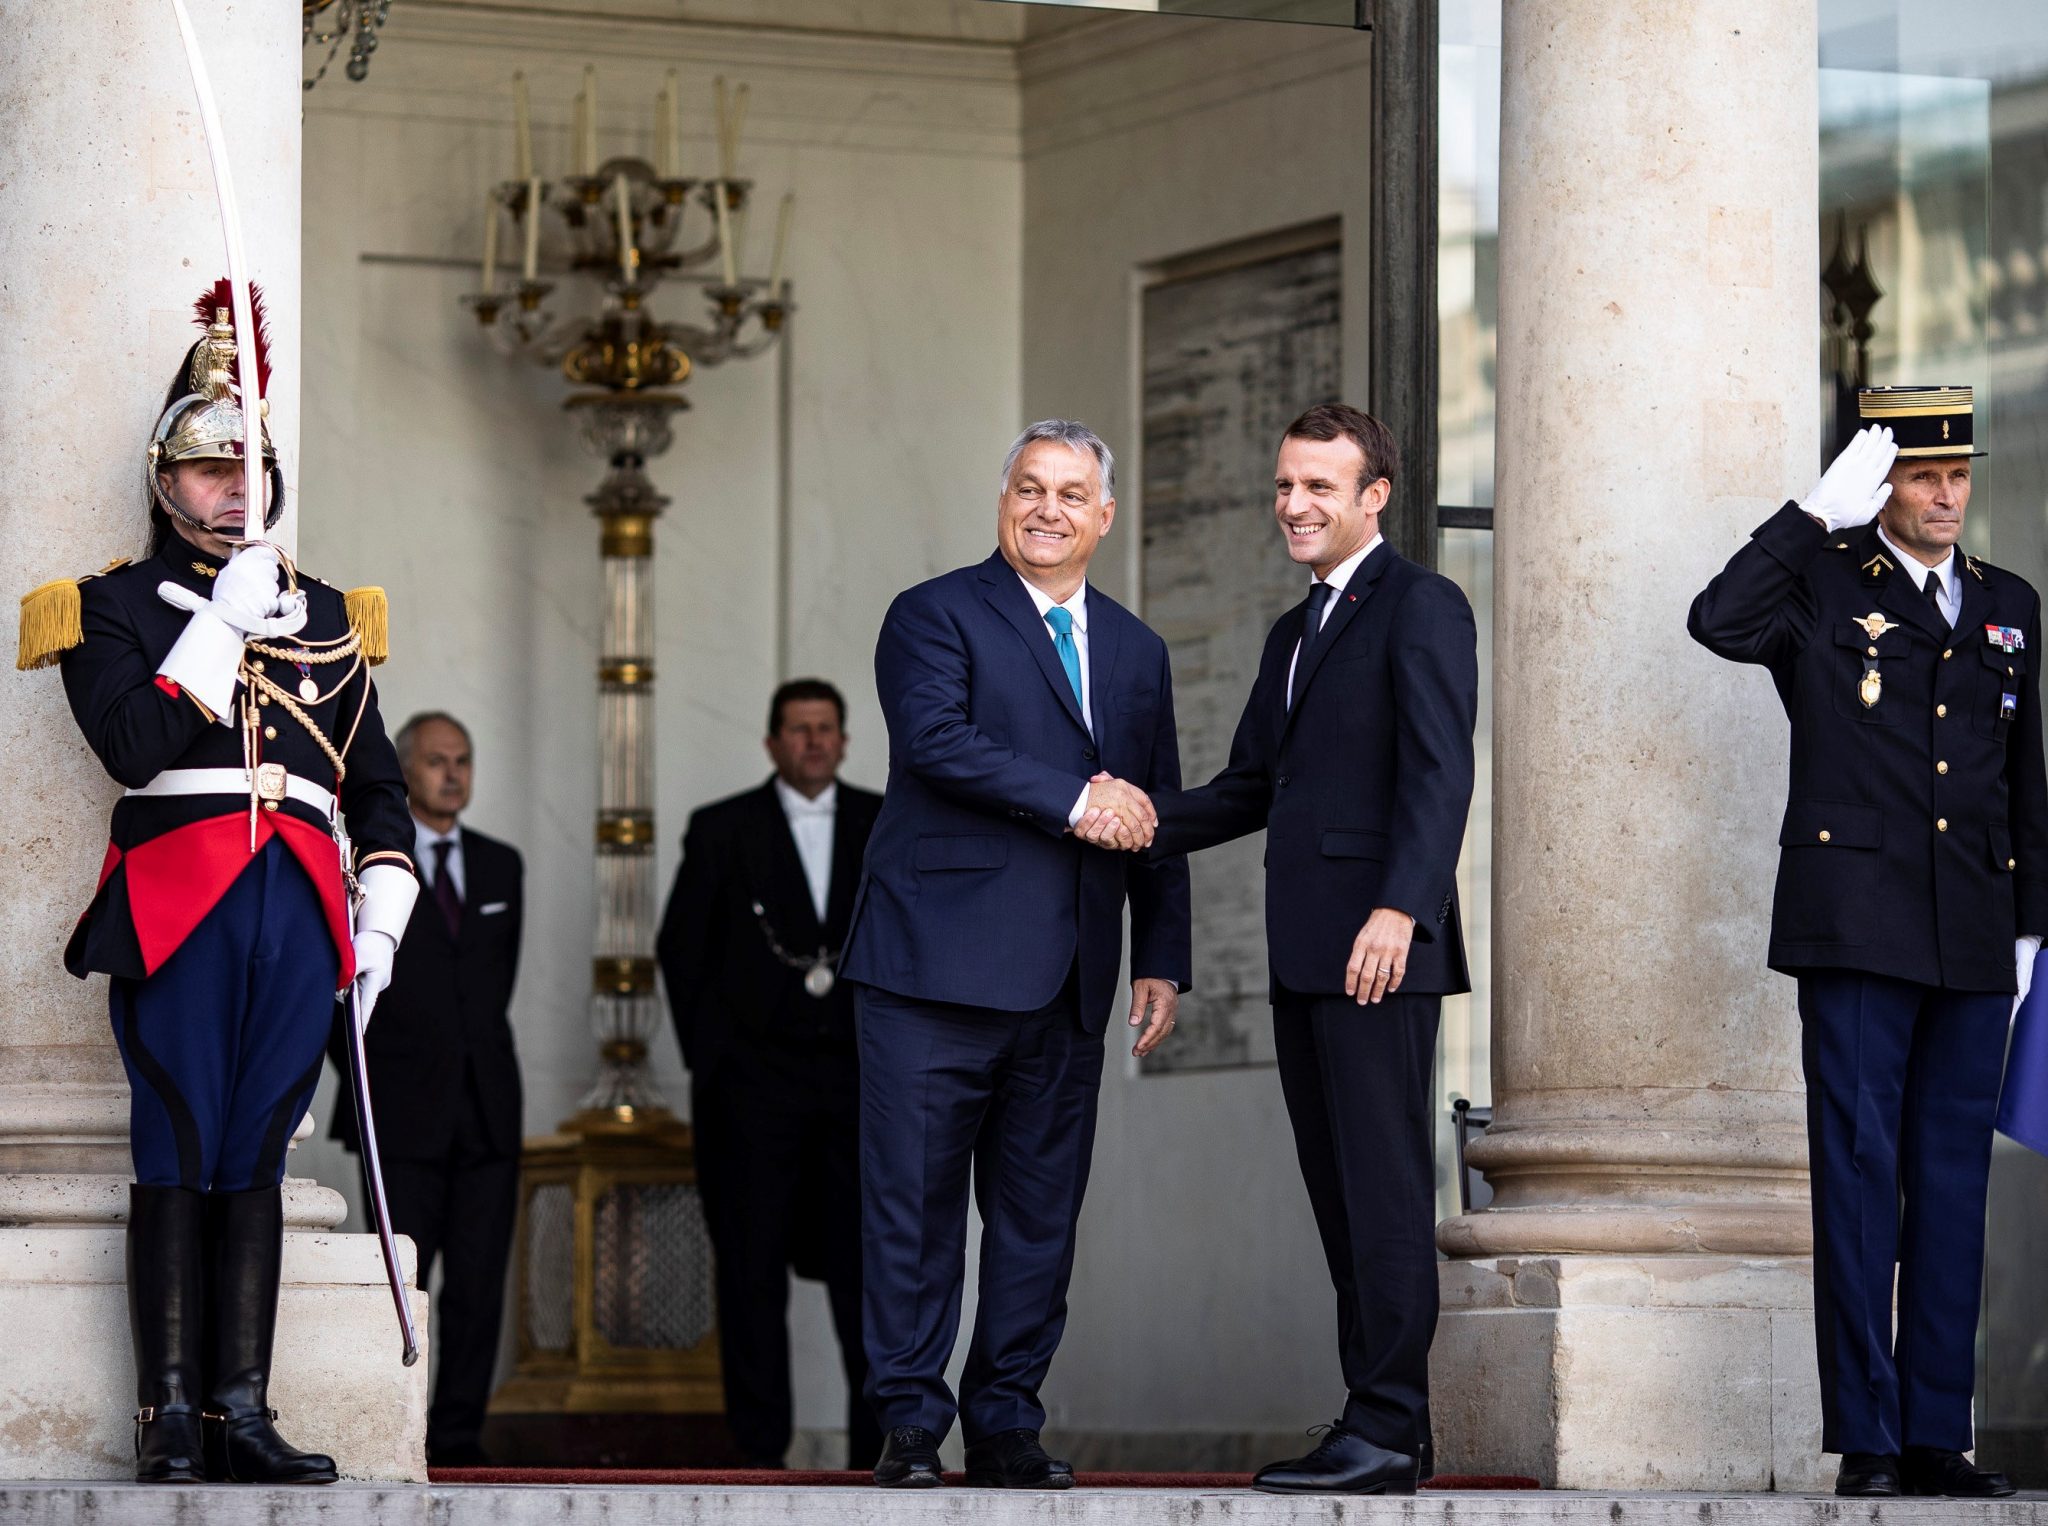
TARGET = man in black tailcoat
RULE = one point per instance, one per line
(749, 951)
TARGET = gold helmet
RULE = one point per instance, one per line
(202, 417)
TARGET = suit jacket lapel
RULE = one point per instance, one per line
(1104, 639)
(1350, 600)
(1897, 585)
(1976, 608)
(1005, 593)
(786, 867)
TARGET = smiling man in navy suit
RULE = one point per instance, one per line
(985, 947)
(1355, 755)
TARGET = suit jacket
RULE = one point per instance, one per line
(725, 984)
(446, 1009)
(1363, 787)
(975, 893)
(1915, 836)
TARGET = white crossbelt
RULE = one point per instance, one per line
(234, 781)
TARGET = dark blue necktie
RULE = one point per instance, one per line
(1319, 596)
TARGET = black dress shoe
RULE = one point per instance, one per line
(1950, 1475)
(1868, 1475)
(1343, 1463)
(910, 1459)
(1425, 1461)
(1015, 1460)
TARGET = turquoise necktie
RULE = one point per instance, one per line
(1062, 623)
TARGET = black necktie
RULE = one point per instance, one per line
(1933, 592)
(1319, 596)
(444, 887)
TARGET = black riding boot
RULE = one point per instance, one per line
(247, 1243)
(167, 1316)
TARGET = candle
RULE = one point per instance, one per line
(581, 131)
(662, 169)
(725, 249)
(724, 136)
(490, 243)
(778, 285)
(531, 266)
(675, 125)
(522, 123)
(590, 119)
(739, 115)
(625, 200)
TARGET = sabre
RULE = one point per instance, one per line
(373, 1173)
(254, 512)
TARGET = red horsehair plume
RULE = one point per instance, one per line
(220, 297)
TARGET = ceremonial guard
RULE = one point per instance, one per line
(1912, 894)
(260, 862)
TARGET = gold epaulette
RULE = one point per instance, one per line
(369, 616)
(52, 619)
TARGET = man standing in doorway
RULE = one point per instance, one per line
(1355, 755)
(749, 950)
(446, 1077)
(986, 945)
(1912, 895)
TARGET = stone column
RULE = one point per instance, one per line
(111, 232)
(1634, 1309)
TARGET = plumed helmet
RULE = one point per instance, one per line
(202, 416)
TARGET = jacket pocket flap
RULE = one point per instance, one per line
(1354, 842)
(976, 851)
(1831, 823)
(2001, 848)
(2001, 661)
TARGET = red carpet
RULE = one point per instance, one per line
(718, 1478)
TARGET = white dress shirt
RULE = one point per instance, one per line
(1339, 578)
(1077, 606)
(423, 839)
(1951, 597)
(811, 823)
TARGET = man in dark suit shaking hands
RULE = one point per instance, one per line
(749, 950)
(446, 1077)
(986, 945)
(1355, 754)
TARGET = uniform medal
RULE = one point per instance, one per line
(818, 979)
(1870, 689)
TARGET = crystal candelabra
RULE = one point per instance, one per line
(611, 233)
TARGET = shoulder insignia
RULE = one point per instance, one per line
(1976, 567)
(369, 616)
(1840, 545)
(52, 621)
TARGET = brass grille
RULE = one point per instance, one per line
(550, 1312)
(653, 1267)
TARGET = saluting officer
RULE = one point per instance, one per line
(232, 698)
(1912, 894)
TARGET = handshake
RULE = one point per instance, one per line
(1116, 814)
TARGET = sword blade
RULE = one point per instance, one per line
(373, 1174)
(238, 281)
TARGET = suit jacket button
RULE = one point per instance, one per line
(2012, 863)
(1823, 835)
(1281, 781)
(1088, 753)
(1941, 710)
(1941, 823)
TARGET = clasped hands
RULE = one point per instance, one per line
(1118, 815)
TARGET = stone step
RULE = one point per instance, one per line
(101, 1504)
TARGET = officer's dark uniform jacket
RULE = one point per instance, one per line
(170, 858)
(1915, 838)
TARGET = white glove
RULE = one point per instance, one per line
(388, 895)
(1853, 489)
(2023, 953)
